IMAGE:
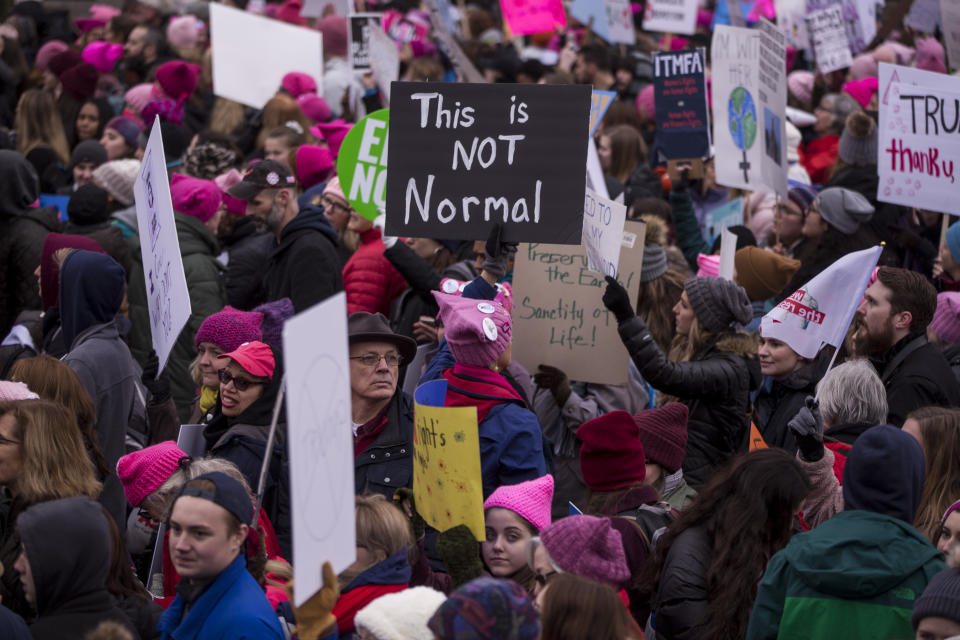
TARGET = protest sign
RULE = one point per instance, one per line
(465, 156)
(603, 222)
(950, 12)
(168, 299)
(362, 164)
(360, 26)
(319, 443)
(190, 440)
(612, 20)
(924, 16)
(831, 46)
(558, 317)
(671, 16)
(461, 63)
(918, 146)
(384, 60)
(595, 179)
(728, 251)
(792, 18)
(248, 64)
(680, 95)
(858, 17)
(524, 17)
(772, 92)
(600, 101)
(447, 481)
(729, 214)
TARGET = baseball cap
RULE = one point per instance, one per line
(227, 493)
(266, 174)
(255, 357)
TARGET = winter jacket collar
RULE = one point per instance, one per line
(472, 386)
(394, 570)
(194, 236)
(897, 354)
(188, 627)
(847, 433)
(310, 217)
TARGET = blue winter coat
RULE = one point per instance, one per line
(234, 607)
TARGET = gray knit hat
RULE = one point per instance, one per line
(941, 598)
(844, 209)
(117, 178)
(858, 142)
(718, 302)
(654, 262)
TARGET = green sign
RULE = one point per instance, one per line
(362, 164)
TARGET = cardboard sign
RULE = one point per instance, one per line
(466, 156)
(603, 221)
(600, 101)
(772, 92)
(830, 44)
(447, 481)
(384, 60)
(524, 17)
(248, 64)
(918, 145)
(319, 443)
(671, 16)
(168, 299)
(360, 26)
(950, 12)
(362, 164)
(680, 94)
(612, 20)
(558, 317)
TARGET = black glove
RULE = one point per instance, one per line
(683, 183)
(498, 251)
(555, 381)
(807, 427)
(405, 494)
(460, 553)
(159, 387)
(617, 300)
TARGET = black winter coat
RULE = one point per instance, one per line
(21, 240)
(248, 252)
(680, 605)
(387, 464)
(916, 374)
(776, 407)
(715, 385)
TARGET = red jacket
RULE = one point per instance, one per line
(819, 155)
(369, 279)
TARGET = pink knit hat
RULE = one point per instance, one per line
(530, 500)
(333, 132)
(314, 107)
(297, 84)
(139, 96)
(930, 55)
(194, 197)
(100, 15)
(143, 472)
(229, 328)
(587, 546)
(224, 181)
(862, 90)
(863, 66)
(15, 391)
(102, 55)
(184, 31)
(646, 105)
(800, 85)
(334, 30)
(455, 287)
(47, 52)
(946, 319)
(333, 187)
(709, 266)
(314, 164)
(478, 331)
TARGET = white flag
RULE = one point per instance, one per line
(820, 311)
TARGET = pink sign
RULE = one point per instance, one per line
(533, 16)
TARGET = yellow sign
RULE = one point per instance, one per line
(447, 483)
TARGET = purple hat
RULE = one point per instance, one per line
(275, 314)
(478, 331)
(946, 319)
(229, 328)
(47, 52)
(487, 609)
(194, 197)
(587, 546)
(127, 129)
(950, 509)
(530, 500)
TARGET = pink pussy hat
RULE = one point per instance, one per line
(478, 331)
(530, 500)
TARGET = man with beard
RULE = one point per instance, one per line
(891, 325)
(303, 265)
(143, 52)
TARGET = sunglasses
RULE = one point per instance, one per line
(240, 384)
(543, 578)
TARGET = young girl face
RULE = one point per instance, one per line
(949, 533)
(505, 549)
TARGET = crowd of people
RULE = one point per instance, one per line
(736, 486)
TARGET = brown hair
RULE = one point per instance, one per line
(940, 428)
(618, 113)
(38, 124)
(575, 607)
(54, 463)
(227, 116)
(121, 580)
(279, 110)
(628, 151)
(425, 70)
(53, 380)
(381, 527)
(910, 291)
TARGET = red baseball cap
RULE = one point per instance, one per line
(255, 357)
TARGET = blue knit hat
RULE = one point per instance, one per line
(953, 241)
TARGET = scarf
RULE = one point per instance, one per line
(208, 399)
(472, 386)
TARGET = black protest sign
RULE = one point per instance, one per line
(464, 156)
(360, 39)
(680, 94)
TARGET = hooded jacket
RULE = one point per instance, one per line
(304, 265)
(247, 252)
(22, 232)
(67, 542)
(91, 290)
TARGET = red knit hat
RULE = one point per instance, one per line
(663, 433)
(177, 79)
(80, 81)
(612, 454)
(143, 472)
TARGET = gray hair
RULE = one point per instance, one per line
(852, 393)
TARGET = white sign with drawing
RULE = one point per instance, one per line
(168, 298)
(603, 221)
(320, 442)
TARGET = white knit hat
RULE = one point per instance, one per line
(117, 178)
(402, 615)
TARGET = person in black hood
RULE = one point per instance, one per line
(89, 217)
(304, 265)
(63, 567)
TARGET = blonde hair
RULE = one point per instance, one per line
(381, 527)
(54, 462)
(685, 347)
(278, 111)
(226, 117)
(38, 124)
(940, 428)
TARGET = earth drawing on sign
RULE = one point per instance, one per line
(743, 118)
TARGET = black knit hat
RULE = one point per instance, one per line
(941, 598)
(718, 302)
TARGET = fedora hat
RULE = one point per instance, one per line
(373, 327)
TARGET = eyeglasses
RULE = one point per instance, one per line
(333, 204)
(543, 578)
(4, 440)
(241, 384)
(372, 359)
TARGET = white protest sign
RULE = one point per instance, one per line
(830, 44)
(384, 59)
(168, 299)
(612, 19)
(728, 252)
(315, 8)
(251, 54)
(603, 222)
(595, 179)
(918, 147)
(772, 92)
(950, 20)
(671, 16)
(792, 18)
(359, 26)
(320, 443)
